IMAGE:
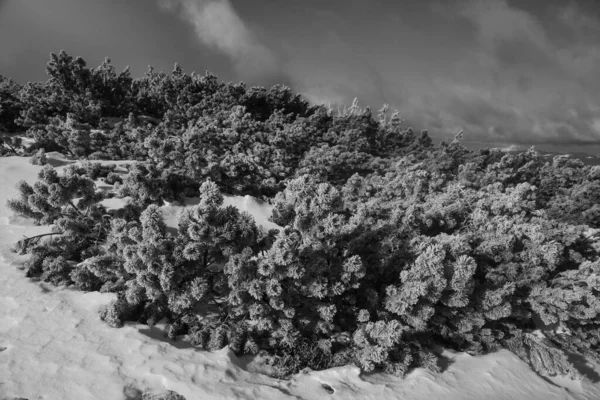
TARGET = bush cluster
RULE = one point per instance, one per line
(389, 245)
(249, 140)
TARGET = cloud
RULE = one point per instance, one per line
(324, 95)
(334, 71)
(513, 36)
(596, 125)
(501, 70)
(218, 26)
(582, 55)
(527, 78)
(574, 16)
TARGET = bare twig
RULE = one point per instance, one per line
(76, 209)
(25, 243)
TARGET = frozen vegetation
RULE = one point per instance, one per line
(176, 233)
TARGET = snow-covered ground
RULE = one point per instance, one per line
(54, 347)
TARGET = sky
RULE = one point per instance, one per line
(518, 72)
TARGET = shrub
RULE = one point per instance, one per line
(389, 245)
(39, 158)
(10, 105)
(75, 227)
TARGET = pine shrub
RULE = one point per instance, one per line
(389, 245)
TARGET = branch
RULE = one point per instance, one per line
(590, 236)
(24, 243)
(205, 259)
(76, 209)
(567, 284)
(10, 147)
(43, 234)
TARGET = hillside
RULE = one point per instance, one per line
(42, 326)
(248, 223)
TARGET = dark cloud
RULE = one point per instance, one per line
(218, 26)
(520, 71)
(517, 84)
(524, 82)
(517, 52)
(135, 33)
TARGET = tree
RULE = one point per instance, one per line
(76, 227)
(10, 105)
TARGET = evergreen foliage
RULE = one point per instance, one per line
(39, 158)
(10, 104)
(389, 245)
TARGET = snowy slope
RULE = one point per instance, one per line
(54, 347)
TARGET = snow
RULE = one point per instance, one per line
(259, 209)
(54, 347)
